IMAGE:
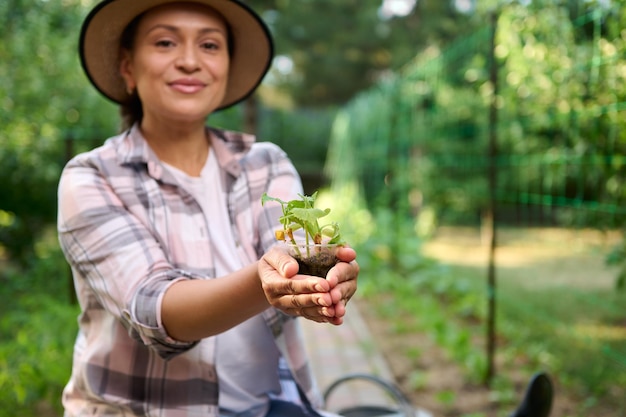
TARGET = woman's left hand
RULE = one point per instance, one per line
(343, 281)
(314, 298)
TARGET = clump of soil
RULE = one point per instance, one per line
(317, 264)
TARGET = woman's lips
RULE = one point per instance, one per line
(187, 86)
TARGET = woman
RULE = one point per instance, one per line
(187, 309)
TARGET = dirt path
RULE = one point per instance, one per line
(432, 381)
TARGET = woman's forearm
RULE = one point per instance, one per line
(195, 309)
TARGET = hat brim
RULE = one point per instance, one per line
(102, 30)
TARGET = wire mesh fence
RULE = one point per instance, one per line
(518, 127)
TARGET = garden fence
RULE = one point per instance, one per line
(521, 124)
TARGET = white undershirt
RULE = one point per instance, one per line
(247, 357)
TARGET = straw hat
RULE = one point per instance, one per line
(102, 29)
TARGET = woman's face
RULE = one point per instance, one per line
(179, 62)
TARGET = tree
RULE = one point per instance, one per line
(44, 100)
(339, 48)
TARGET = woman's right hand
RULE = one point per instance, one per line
(296, 295)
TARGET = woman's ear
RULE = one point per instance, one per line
(126, 72)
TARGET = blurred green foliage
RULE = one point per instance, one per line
(414, 152)
(339, 48)
(418, 142)
(44, 101)
(37, 330)
(540, 327)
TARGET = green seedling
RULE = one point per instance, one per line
(302, 214)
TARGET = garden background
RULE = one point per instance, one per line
(475, 151)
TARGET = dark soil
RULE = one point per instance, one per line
(317, 265)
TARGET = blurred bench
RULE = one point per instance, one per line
(337, 351)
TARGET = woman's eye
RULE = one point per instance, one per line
(164, 43)
(210, 45)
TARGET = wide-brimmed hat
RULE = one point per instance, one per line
(99, 48)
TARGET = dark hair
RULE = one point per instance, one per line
(131, 111)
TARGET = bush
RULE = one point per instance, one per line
(35, 355)
(37, 331)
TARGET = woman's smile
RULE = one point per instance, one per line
(187, 85)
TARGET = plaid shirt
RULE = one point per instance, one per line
(129, 231)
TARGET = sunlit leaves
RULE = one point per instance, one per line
(44, 100)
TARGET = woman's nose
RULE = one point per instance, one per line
(187, 59)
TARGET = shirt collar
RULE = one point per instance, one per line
(229, 147)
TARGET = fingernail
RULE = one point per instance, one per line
(322, 302)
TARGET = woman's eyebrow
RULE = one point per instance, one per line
(176, 29)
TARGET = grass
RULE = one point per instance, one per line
(556, 309)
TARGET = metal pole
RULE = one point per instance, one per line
(491, 213)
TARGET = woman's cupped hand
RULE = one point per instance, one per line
(323, 300)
